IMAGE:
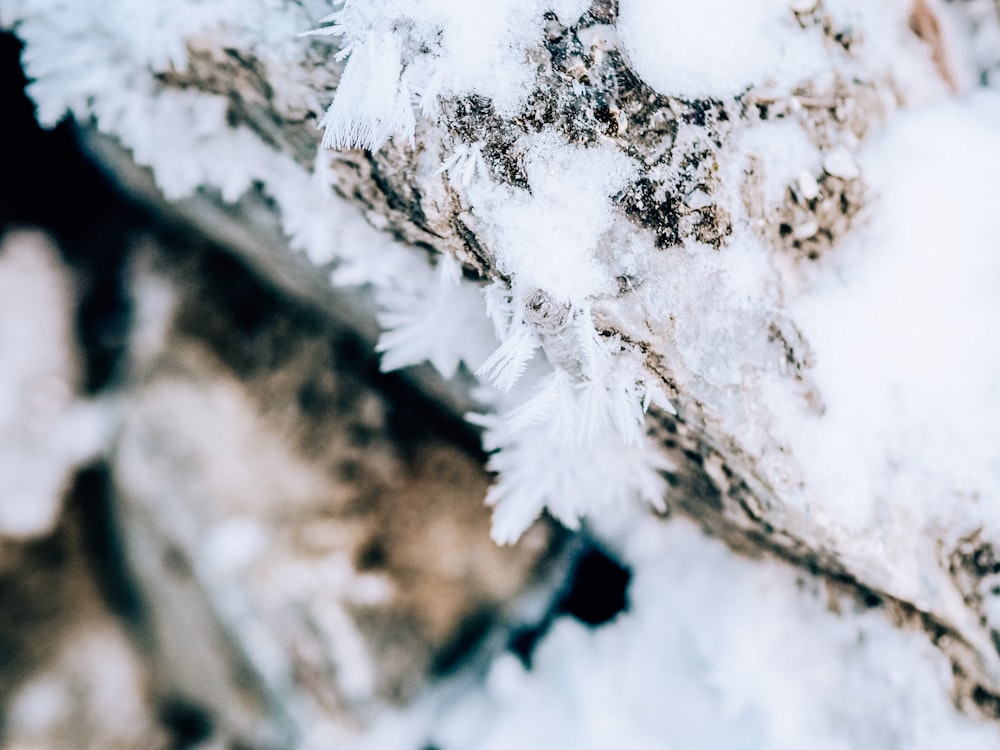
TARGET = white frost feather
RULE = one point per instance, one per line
(506, 365)
(575, 448)
(372, 102)
(433, 322)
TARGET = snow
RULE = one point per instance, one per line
(715, 48)
(713, 653)
(549, 238)
(886, 440)
(571, 245)
(46, 430)
(903, 321)
(840, 163)
(768, 44)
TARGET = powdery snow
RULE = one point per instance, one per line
(903, 323)
(550, 238)
(714, 653)
(720, 48)
(715, 47)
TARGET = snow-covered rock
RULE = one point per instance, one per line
(745, 252)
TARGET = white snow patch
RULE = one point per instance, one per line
(715, 47)
(45, 430)
(549, 238)
(715, 652)
(903, 319)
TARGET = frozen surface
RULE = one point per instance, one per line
(862, 382)
(909, 367)
(903, 324)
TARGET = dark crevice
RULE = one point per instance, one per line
(595, 592)
(463, 644)
(56, 188)
(598, 589)
(188, 724)
(523, 641)
(103, 318)
(988, 702)
(91, 498)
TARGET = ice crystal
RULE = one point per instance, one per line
(429, 323)
(372, 103)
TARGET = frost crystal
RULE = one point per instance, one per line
(371, 103)
(427, 323)
(577, 446)
(558, 451)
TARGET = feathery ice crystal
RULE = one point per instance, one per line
(577, 444)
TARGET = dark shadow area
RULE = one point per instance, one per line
(50, 184)
(188, 724)
(595, 592)
(91, 499)
(523, 641)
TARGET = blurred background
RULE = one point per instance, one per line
(215, 511)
